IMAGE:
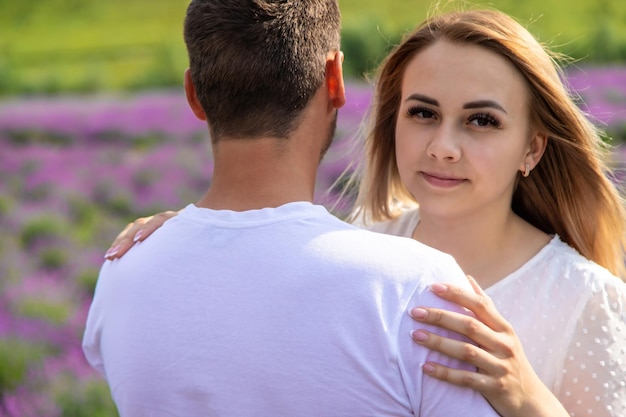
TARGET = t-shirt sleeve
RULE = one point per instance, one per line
(93, 328)
(432, 397)
(594, 371)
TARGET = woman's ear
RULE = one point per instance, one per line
(334, 79)
(192, 97)
(536, 149)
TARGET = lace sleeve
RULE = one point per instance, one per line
(594, 372)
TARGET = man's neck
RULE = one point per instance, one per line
(264, 172)
(252, 174)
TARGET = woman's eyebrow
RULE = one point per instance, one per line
(471, 105)
(423, 98)
(483, 103)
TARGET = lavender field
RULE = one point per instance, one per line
(74, 170)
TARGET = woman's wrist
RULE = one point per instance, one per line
(542, 403)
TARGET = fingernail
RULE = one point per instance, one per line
(137, 236)
(439, 288)
(419, 336)
(428, 368)
(419, 313)
(112, 251)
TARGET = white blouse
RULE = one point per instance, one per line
(570, 315)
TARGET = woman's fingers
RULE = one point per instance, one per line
(126, 238)
(461, 350)
(476, 301)
(477, 381)
(466, 352)
(463, 324)
(475, 286)
(136, 231)
(499, 344)
(153, 223)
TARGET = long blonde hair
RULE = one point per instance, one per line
(568, 192)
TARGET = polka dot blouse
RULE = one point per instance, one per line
(570, 315)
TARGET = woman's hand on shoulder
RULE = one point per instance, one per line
(136, 231)
(505, 377)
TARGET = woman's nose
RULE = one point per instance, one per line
(444, 144)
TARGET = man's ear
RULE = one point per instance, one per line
(192, 97)
(334, 79)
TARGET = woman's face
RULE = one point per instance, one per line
(462, 132)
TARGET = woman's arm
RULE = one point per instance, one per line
(505, 377)
(136, 231)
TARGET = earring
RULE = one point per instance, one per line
(526, 169)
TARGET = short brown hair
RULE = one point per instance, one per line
(256, 64)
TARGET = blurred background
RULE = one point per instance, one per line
(94, 132)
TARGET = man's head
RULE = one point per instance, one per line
(255, 64)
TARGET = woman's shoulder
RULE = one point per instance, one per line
(558, 274)
(563, 288)
(570, 269)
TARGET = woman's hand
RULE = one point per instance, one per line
(135, 232)
(505, 377)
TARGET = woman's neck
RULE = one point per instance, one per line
(487, 247)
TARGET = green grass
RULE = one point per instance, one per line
(59, 44)
(88, 45)
(547, 19)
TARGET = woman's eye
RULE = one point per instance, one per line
(483, 120)
(421, 112)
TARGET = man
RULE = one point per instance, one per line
(254, 301)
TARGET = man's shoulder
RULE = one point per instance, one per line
(393, 252)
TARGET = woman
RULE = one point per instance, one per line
(471, 120)
(507, 171)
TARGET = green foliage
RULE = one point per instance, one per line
(146, 177)
(37, 308)
(365, 45)
(15, 355)
(92, 399)
(164, 71)
(120, 205)
(591, 30)
(87, 280)
(84, 217)
(6, 205)
(73, 45)
(44, 228)
(618, 133)
(53, 258)
(25, 137)
(148, 141)
(82, 211)
(85, 46)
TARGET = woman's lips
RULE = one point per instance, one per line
(441, 180)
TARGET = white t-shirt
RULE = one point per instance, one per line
(570, 315)
(273, 312)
